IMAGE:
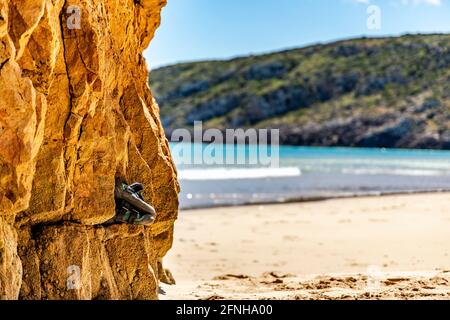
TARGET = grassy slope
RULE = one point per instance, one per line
(376, 82)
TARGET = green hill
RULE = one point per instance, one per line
(382, 92)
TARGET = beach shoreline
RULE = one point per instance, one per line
(327, 249)
(319, 199)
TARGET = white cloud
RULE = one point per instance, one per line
(408, 2)
(428, 2)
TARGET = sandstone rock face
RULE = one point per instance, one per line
(75, 113)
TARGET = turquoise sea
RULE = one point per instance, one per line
(303, 173)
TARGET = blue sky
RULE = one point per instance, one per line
(217, 29)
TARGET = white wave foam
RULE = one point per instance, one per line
(397, 172)
(228, 174)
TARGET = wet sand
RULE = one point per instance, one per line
(365, 248)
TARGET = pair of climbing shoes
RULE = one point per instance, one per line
(131, 206)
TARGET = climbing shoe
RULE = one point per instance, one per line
(130, 205)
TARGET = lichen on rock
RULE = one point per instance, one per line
(75, 113)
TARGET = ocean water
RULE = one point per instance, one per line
(303, 173)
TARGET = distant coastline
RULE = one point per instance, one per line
(352, 93)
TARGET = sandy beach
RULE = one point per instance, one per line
(390, 247)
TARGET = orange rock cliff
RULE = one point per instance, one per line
(75, 113)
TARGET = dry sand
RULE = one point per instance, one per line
(379, 247)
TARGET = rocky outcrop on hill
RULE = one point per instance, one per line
(75, 113)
